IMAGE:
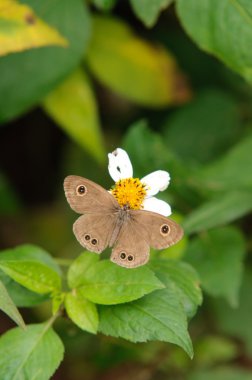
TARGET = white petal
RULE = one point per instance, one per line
(156, 181)
(119, 165)
(157, 205)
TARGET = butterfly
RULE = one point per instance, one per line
(105, 223)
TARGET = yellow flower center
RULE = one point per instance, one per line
(129, 192)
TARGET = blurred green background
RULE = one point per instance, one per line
(131, 77)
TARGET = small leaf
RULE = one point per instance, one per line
(133, 67)
(82, 312)
(230, 172)
(34, 276)
(73, 106)
(78, 268)
(29, 252)
(8, 306)
(212, 119)
(224, 209)
(237, 322)
(183, 279)
(157, 316)
(21, 296)
(148, 10)
(107, 284)
(21, 29)
(34, 353)
(217, 255)
(216, 26)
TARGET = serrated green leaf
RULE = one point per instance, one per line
(230, 172)
(212, 120)
(107, 284)
(21, 296)
(21, 29)
(148, 10)
(28, 76)
(218, 256)
(77, 269)
(34, 353)
(29, 252)
(73, 106)
(217, 26)
(157, 316)
(133, 67)
(82, 312)
(183, 279)
(8, 306)
(34, 276)
(237, 322)
(224, 209)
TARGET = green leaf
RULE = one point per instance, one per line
(21, 29)
(224, 209)
(34, 276)
(211, 120)
(229, 373)
(157, 316)
(8, 306)
(133, 67)
(218, 27)
(213, 349)
(237, 322)
(231, 172)
(148, 10)
(217, 255)
(78, 268)
(29, 252)
(82, 312)
(28, 76)
(105, 5)
(31, 354)
(183, 279)
(107, 284)
(73, 106)
(21, 296)
(147, 150)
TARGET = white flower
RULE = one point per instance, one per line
(134, 192)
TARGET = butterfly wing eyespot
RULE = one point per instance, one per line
(130, 258)
(123, 255)
(87, 237)
(94, 241)
(165, 229)
(81, 190)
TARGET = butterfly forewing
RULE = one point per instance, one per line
(85, 196)
(158, 231)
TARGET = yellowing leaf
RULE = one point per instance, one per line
(21, 29)
(142, 72)
(72, 105)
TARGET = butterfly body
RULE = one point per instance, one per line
(105, 223)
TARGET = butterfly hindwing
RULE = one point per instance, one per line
(131, 249)
(94, 231)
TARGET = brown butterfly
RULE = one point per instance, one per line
(105, 223)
